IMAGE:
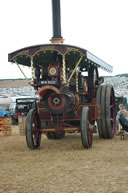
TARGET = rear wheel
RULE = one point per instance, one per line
(99, 124)
(107, 122)
(50, 135)
(86, 132)
(103, 112)
(53, 135)
(110, 112)
(33, 134)
(60, 135)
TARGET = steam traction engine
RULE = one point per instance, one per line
(71, 94)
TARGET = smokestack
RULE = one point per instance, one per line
(56, 18)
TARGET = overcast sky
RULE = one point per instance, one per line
(99, 26)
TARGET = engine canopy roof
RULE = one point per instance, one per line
(46, 53)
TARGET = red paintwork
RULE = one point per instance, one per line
(43, 90)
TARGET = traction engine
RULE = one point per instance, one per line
(72, 96)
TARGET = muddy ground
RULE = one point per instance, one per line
(63, 166)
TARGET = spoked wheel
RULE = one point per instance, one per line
(99, 124)
(60, 135)
(53, 135)
(92, 81)
(50, 135)
(110, 112)
(33, 134)
(103, 111)
(86, 132)
(107, 123)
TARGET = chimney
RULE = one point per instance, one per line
(56, 19)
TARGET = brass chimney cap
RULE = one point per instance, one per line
(57, 40)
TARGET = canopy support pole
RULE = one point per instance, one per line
(64, 70)
(32, 70)
(21, 71)
(77, 89)
(75, 69)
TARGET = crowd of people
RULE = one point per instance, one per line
(122, 118)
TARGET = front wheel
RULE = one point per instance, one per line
(33, 134)
(86, 132)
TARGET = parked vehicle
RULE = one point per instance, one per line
(68, 99)
(23, 105)
(14, 114)
(21, 108)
